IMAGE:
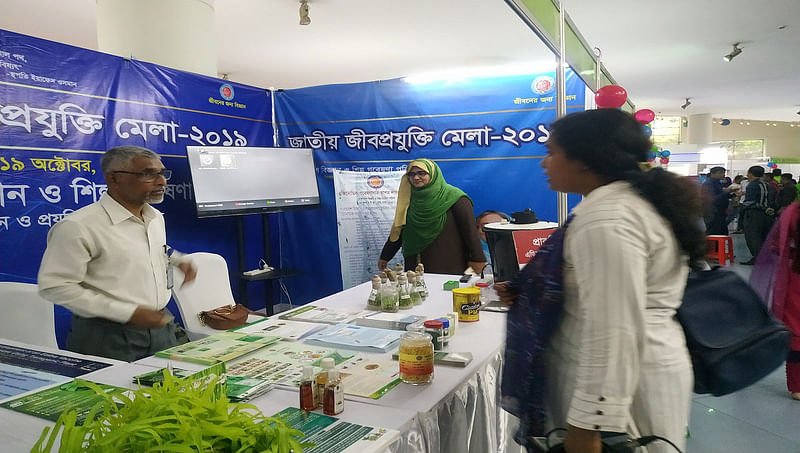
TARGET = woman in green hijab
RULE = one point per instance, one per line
(434, 224)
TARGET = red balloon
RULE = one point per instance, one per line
(644, 116)
(665, 160)
(610, 97)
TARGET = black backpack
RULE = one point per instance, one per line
(732, 338)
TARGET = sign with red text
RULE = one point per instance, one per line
(528, 242)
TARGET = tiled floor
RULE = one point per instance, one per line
(759, 419)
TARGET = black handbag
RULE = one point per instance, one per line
(732, 338)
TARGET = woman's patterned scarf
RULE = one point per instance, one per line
(531, 322)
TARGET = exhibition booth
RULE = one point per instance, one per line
(61, 107)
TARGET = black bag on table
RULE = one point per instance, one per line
(732, 338)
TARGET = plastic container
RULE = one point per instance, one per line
(467, 303)
(416, 356)
(484, 289)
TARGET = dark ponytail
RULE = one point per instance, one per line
(612, 144)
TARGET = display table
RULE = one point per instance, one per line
(458, 412)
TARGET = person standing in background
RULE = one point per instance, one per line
(788, 192)
(108, 263)
(756, 212)
(717, 201)
(434, 224)
(776, 277)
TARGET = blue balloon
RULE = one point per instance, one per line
(647, 131)
(665, 153)
(725, 122)
(651, 155)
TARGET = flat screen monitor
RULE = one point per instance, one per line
(247, 180)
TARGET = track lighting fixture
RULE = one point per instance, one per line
(304, 19)
(686, 104)
(736, 51)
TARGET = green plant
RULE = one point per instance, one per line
(177, 415)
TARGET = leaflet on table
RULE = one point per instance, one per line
(331, 435)
(324, 315)
(51, 402)
(16, 380)
(241, 389)
(279, 363)
(392, 321)
(220, 347)
(205, 374)
(287, 330)
(48, 361)
(369, 377)
(350, 336)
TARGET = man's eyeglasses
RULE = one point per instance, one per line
(413, 174)
(148, 175)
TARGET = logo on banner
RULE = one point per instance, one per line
(542, 84)
(226, 91)
(375, 182)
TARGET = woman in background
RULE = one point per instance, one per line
(776, 276)
(593, 315)
(434, 223)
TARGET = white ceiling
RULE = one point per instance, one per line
(660, 51)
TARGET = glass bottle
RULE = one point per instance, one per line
(308, 389)
(327, 364)
(389, 297)
(416, 297)
(372, 301)
(416, 356)
(435, 329)
(333, 398)
(421, 279)
(404, 292)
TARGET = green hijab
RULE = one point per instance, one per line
(427, 208)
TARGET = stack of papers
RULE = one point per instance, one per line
(349, 336)
(324, 315)
(220, 347)
(285, 329)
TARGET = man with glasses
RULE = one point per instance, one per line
(108, 263)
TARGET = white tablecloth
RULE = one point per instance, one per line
(460, 410)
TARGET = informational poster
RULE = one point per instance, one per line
(331, 435)
(16, 380)
(52, 402)
(220, 347)
(61, 365)
(365, 206)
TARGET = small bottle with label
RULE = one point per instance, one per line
(308, 389)
(372, 301)
(327, 364)
(421, 281)
(404, 292)
(416, 297)
(445, 331)
(435, 328)
(333, 398)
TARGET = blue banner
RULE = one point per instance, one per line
(486, 134)
(61, 107)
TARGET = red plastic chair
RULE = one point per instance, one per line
(720, 248)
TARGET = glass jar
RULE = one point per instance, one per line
(435, 329)
(416, 356)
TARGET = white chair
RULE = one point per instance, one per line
(211, 289)
(26, 318)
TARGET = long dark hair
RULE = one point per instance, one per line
(612, 144)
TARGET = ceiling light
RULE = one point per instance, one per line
(304, 19)
(736, 51)
(686, 104)
(748, 123)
